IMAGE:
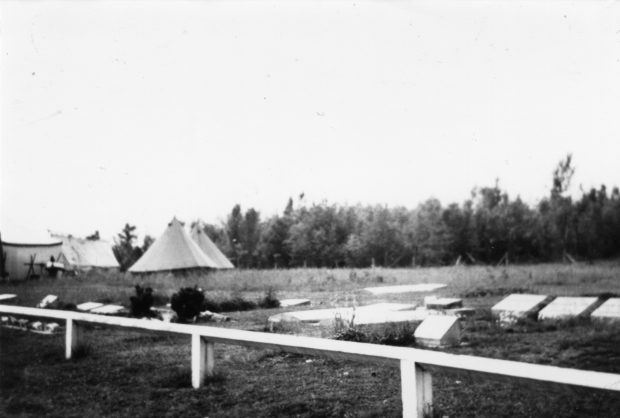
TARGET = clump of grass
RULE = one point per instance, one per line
(480, 292)
(284, 327)
(397, 334)
(270, 300)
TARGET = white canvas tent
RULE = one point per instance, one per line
(84, 254)
(27, 252)
(174, 250)
(209, 248)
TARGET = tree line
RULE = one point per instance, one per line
(488, 228)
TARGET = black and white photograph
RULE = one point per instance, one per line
(309, 208)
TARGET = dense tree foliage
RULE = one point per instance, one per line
(489, 227)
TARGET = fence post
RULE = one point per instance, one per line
(203, 360)
(417, 390)
(71, 338)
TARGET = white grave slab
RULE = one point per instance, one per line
(7, 296)
(47, 301)
(517, 306)
(610, 309)
(286, 303)
(567, 307)
(87, 306)
(383, 317)
(426, 287)
(433, 302)
(438, 331)
(107, 309)
(319, 315)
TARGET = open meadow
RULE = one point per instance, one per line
(122, 373)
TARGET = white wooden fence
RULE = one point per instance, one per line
(415, 365)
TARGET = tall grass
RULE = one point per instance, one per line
(336, 284)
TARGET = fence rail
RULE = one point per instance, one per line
(416, 365)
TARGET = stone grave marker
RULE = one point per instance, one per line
(609, 310)
(345, 313)
(568, 307)
(107, 309)
(438, 331)
(517, 306)
(7, 296)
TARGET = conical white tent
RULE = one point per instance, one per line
(209, 248)
(174, 250)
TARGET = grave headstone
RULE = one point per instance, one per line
(425, 287)
(609, 310)
(87, 306)
(568, 307)
(438, 331)
(517, 306)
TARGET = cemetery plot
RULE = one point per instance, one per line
(438, 331)
(107, 309)
(567, 307)
(610, 309)
(518, 306)
(87, 306)
(346, 313)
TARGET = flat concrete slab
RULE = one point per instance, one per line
(287, 303)
(87, 306)
(568, 307)
(425, 287)
(438, 331)
(346, 313)
(384, 317)
(517, 306)
(610, 310)
(107, 309)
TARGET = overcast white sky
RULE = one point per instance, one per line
(117, 112)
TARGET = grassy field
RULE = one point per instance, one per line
(123, 373)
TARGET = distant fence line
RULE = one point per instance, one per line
(415, 364)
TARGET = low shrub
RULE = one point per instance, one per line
(142, 302)
(270, 300)
(188, 303)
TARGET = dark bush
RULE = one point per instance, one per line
(142, 302)
(270, 300)
(188, 303)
